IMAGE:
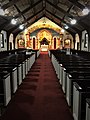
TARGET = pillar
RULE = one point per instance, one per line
(88, 40)
(80, 37)
(8, 34)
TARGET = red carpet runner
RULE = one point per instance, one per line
(40, 96)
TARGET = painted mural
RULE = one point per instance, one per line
(44, 36)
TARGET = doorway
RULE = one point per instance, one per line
(33, 43)
(54, 43)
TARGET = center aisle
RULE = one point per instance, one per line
(40, 96)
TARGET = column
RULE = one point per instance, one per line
(89, 40)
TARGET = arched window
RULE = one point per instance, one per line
(54, 43)
(2, 40)
(33, 43)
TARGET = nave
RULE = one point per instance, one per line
(40, 96)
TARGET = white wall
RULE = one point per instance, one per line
(77, 40)
(11, 41)
(5, 41)
(83, 41)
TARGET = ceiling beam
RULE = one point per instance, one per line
(3, 25)
(68, 14)
(31, 5)
(58, 8)
(7, 21)
(20, 13)
(68, 11)
(38, 18)
(72, 33)
(18, 31)
(69, 30)
(28, 8)
(72, 27)
(9, 4)
(44, 3)
(34, 15)
(13, 28)
(76, 3)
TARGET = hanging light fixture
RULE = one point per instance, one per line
(73, 21)
(21, 27)
(85, 11)
(66, 27)
(13, 21)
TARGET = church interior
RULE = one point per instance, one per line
(44, 59)
(47, 33)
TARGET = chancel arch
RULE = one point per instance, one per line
(44, 35)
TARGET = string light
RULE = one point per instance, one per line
(21, 27)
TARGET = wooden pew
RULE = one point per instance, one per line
(5, 88)
(13, 76)
(87, 109)
(72, 77)
(81, 91)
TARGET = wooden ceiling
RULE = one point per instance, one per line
(60, 12)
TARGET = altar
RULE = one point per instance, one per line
(44, 47)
